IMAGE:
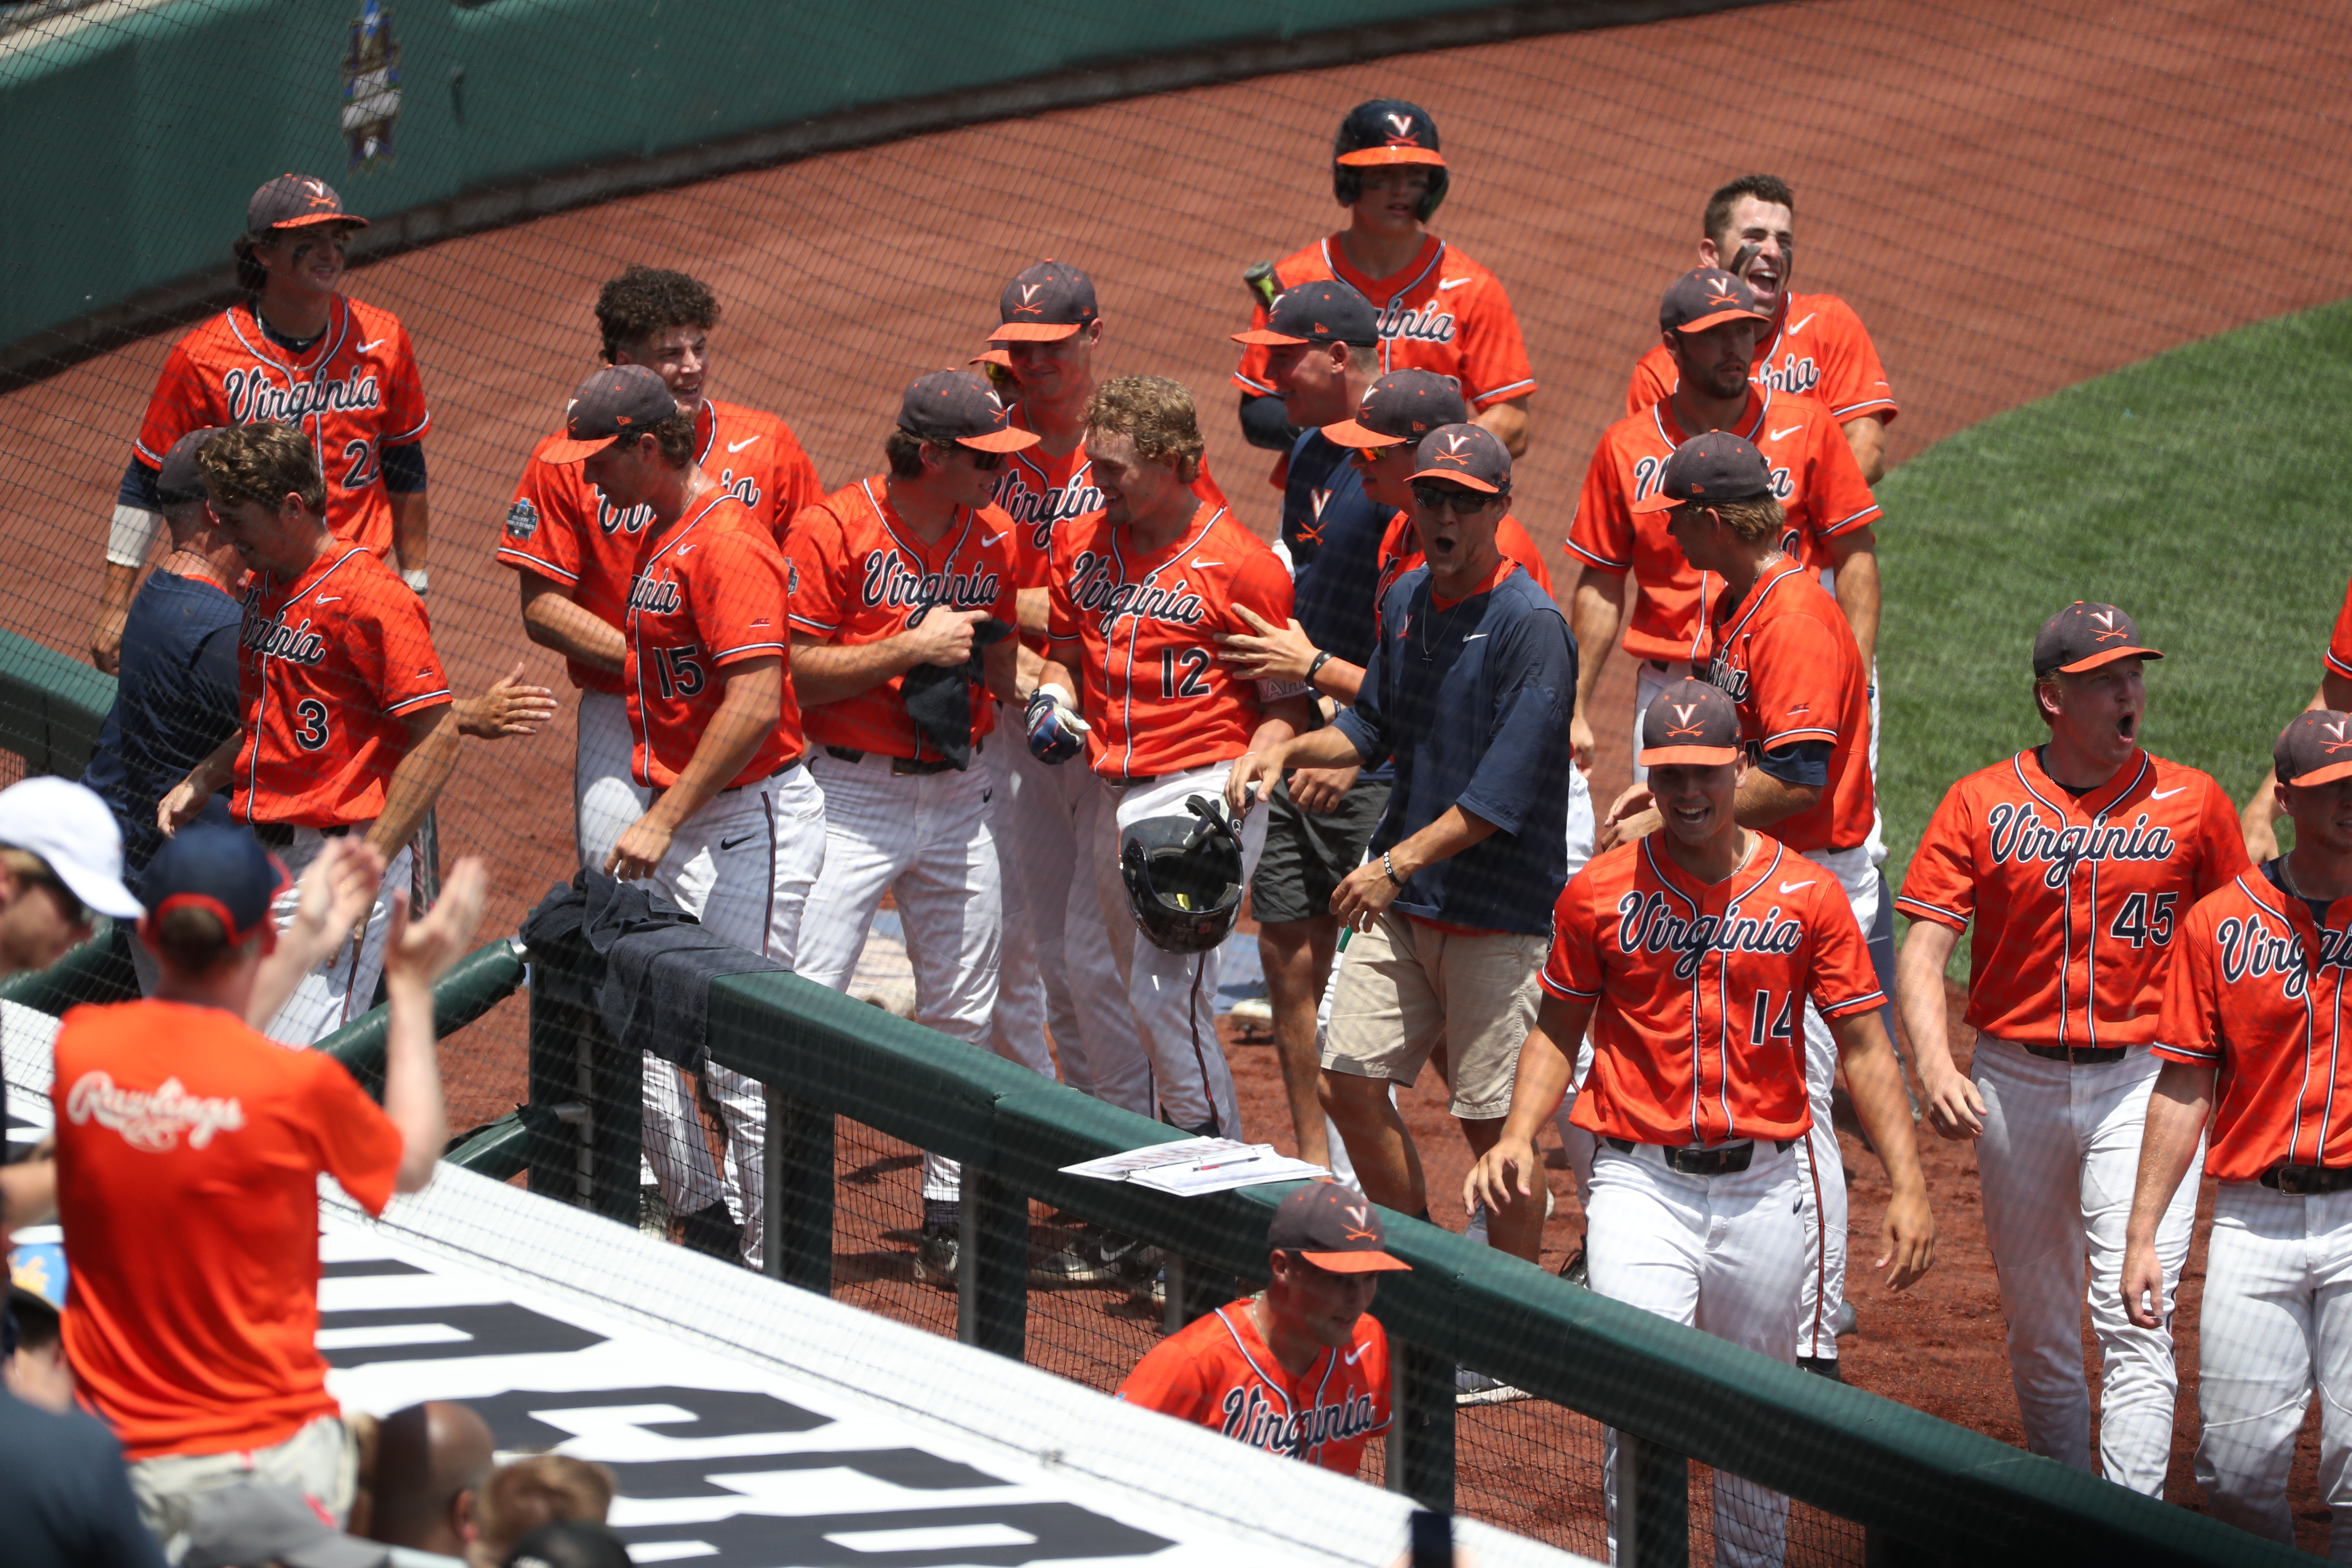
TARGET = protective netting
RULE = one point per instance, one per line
(2014, 198)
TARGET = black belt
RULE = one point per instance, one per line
(780, 773)
(901, 767)
(1728, 1160)
(2077, 1055)
(280, 835)
(2302, 1180)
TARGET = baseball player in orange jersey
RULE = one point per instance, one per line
(573, 553)
(1704, 931)
(1439, 309)
(1056, 974)
(1787, 660)
(1303, 1368)
(735, 830)
(2074, 860)
(347, 718)
(894, 577)
(1708, 318)
(2255, 997)
(1816, 347)
(295, 352)
(2262, 808)
(1137, 595)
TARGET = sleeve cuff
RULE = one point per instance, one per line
(1936, 912)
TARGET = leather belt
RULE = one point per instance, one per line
(1725, 1160)
(2302, 1181)
(2077, 1055)
(901, 767)
(280, 835)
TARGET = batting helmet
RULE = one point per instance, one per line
(1183, 876)
(1386, 130)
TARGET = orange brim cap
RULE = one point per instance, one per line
(1005, 440)
(1720, 317)
(2106, 656)
(1372, 157)
(573, 451)
(2328, 775)
(991, 356)
(1355, 1262)
(1656, 500)
(1033, 332)
(309, 219)
(1266, 337)
(1687, 756)
(1466, 480)
(1355, 433)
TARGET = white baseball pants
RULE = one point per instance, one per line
(1053, 818)
(606, 799)
(1171, 1055)
(2276, 1321)
(924, 838)
(1821, 1167)
(342, 986)
(2058, 1159)
(1016, 1025)
(743, 866)
(1719, 1254)
(1648, 681)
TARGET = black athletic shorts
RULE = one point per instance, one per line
(1309, 855)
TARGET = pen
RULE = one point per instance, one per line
(1250, 1160)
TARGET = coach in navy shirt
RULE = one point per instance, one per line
(176, 700)
(1469, 690)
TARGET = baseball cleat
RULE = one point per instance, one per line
(1843, 1323)
(713, 1231)
(936, 1257)
(1576, 1272)
(1093, 1256)
(1477, 1388)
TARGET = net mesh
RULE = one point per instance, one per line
(2014, 198)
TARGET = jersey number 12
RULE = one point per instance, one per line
(1190, 682)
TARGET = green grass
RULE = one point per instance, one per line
(2207, 490)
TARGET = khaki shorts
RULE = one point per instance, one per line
(1403, 987)
(321, 1461)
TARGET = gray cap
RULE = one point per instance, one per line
(178, 479)
(249, 1526)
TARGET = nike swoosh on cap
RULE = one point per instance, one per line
(1788, 888)
(2166, 794)
(738, 445)
(1790, 431)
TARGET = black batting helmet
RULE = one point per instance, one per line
(1183, 876)
(1386, 130)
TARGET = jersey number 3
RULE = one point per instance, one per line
(310, 727)
(1190, 682)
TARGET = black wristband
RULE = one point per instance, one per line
(1321, 658)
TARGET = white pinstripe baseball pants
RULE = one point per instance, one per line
(342, 986)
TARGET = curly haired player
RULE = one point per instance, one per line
(297, 351)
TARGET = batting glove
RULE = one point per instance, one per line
(1056, 732)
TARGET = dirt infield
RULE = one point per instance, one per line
(2014, 198)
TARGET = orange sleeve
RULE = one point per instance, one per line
(2190, 1030)
(1169, 1379)
(407, 676)
(1061, 607)
(355, 1142)
(539, 535)
(1602, 531)
(1836, 491)
(1264, 585)
(1513, 539)
(1792, 686)
(1852, 382)
(1652, 380)
(1572, 966)
(796, 486)
(1494, 356)
(819, 558)
(737, 582)
(405, 417)
(2222, 841)
(1941, 884)
(175, 408)
(1207, 489)
(2339, 647)
(1842, 981)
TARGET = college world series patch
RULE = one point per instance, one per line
(522, 519)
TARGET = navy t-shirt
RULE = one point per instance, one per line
(1473, 702)
(65, 1497)
(1333, 532)
(176, 702)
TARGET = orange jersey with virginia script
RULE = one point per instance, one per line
(1140, 632)
(189, 1151)
(711, 591)
(2256, 990)
(557, 527)
(1698, 990)
(329, 670)
(1818, 348)
(859, 573)
(1441, 311)
(1217, 1372)
(1042, 493)
(1787, 658)
(1401, 552)
(354, 392)
(2340, 645)
(2074, 900)
(1814, 477)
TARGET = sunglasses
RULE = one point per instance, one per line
(984, 462)
(1441, 498)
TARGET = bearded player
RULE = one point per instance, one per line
(1439, 309)
(2253, 1036)
(1815, 346)
(1695, 1187)
(1137, 596)
(735, 831)
(1057, 975)
(296, 351)
(2075, 861)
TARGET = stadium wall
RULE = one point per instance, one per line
(136, 125)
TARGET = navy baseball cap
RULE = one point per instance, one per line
(178, 480)
(1332, 1227)
(1402, 406)
(959, 405)
(1703, 297)
(1050, 301)
(293, 201)
(2084, 636)
(1713, 466)
(217, 868)
(614, 402)
(2316, 749)
(1690, 723)
(1469, 455)
(1387, 130)
(1322, 311)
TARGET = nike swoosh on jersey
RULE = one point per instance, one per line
(328, 599)
(1199, 565)
(1451, 282)
(738, 445)
(989, 539)
(364, 347)
(1788, 888)
(1797, 326)
(1790, 431)
(2166, 794)
(1353, 1356)
(1474, 636)
(731, 843)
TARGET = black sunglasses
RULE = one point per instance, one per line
(1439, 498)
(984, 462)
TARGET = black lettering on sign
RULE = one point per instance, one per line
(361, 1268)
(910, 1468)
(1056, 1531)
(515, 1420)
(500, 1328)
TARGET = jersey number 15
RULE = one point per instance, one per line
(679, 669)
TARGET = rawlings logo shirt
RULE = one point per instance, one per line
(1218, 1372)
